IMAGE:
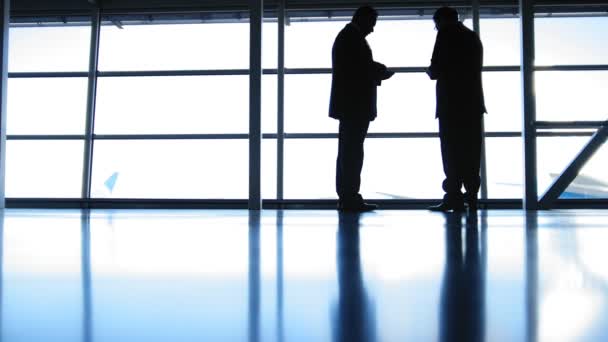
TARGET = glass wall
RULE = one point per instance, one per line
(570, 86)
(171, 118)
(46, 109)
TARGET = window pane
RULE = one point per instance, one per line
(310, 166)
(49, 48)
(42, 297)
(406, 103)
(270, 45)
(192, 104)
(393, 42)
(269, 103)
(412, 169)
(502, 93)
(308, 44)
(269, 168)
(592, 181)
(553, 155)
(47, 105)
(403, 43)
(571, 95)
(501, 43)
(578, 41)
(504, 162)
(307, 104)
(384, 175)
(214, 169)
(174, 47)
(44, 169)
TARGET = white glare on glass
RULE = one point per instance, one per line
(412, 170)
(403, 43)
(194, 104)
(571, 95)
(213, 169)
(501, 42)
(181, 105)
(575, 40)
(49, 49)
(504, 167)
(47, 169)
(502, 94)
(174, 47)
(406, 103)
(307, 104)
(46, 105)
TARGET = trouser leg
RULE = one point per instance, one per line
(448, 136)
(349, 163)
(472, 158)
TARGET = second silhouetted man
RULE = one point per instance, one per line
(355, 76)
(456, 65)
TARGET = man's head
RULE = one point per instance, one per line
(365, 18)
(444, 17)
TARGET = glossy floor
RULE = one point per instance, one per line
(297, 275)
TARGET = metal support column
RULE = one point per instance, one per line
(483, 168)
(255, 103)
(4, 24)
(281, 99)
(530, 195)
(91, 95)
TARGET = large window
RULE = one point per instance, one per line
(569, 87)
(171, 116)
(47, 95)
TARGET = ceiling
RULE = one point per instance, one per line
(50, 7)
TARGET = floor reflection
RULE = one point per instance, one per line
(354, 318)
(75, 276)
(462, 309)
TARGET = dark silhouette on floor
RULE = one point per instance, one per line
(355, 76)
(462, 311)
(354, 319)
(456, 65)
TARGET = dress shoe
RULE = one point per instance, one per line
(357, 207)
(443, 206)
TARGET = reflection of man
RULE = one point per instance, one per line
(456, 65)
(462, 312)
(354, 319)
(355, 77)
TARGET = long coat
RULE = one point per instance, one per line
(456, 65)
(355, 77)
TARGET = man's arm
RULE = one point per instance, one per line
(438, 59)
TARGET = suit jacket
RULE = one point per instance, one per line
(355, 77)
(456, 65)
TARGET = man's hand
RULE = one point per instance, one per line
(387, 74)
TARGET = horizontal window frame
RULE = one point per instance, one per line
(288, 71)
(245, 136)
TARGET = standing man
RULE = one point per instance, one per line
(456, 65)
(355, 77)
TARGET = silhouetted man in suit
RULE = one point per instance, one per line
(355, 76)
(456, 65)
